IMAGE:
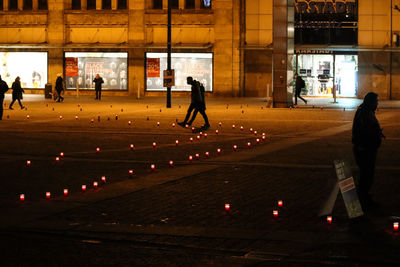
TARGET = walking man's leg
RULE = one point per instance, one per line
(193, 116)
(206, 122)
(12, 103)
(20, 104)
(189, 111)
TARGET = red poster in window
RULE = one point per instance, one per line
(153, 67)
(71, 66)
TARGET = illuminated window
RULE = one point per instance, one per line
(91, 4)
(205, 3)
(190, 4)
(13, 4)
(157, 4)
(106, 4)
(76, 4)
(122, 4)
(42, 5)
(27, 5)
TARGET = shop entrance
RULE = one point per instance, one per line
(321, 71)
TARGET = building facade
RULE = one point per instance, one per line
(249, 48)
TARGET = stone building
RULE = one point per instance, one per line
(245, 48)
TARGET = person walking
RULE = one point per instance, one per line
(299, 85)
(59, 87)
(97, 86)
(197, 104)
(17, 92)
(201, 107)
(366, 138)
(3, 89)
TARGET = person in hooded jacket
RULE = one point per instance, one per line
(366, 138)
(17, 93)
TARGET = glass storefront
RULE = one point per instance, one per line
(31, 67)
(319, 75)
(112, 67)
(197, 65)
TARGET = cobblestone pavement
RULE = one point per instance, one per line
(176, 215)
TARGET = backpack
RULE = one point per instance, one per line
(302, 84)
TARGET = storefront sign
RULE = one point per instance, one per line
(326, 7)
(169, 78)
(153, 67)
(309, 51)
(71, 66)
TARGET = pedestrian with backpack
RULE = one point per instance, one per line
(298, 86)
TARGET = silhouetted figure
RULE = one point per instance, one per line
(3, 89)
(59, 87)
(366, 138)
(299, 85)
(17, 92)
(197, 104)
(97, 86)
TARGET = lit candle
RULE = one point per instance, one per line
(275, 213)
(220, 124)
(251, 129)
(154, 144)
(129, 122)
(249, 144)
(22, 197)
(116, 116)
(216, 131)
(193, 129)
(255, 132)
(158, 123)
(205, 135)
(219, 150)
(329, 219)
(176, 142)
(197, 156)
(132, 146)
(201, 133)
(48, 194)
(60, 117)
(190, 158)
(95, 184)
(28, 162)
(235, 147)
(263, 134)
(65, 192)
(263, 137)
(233, 126)
(76, 117)
(103, 178)
(227, 206)
(280, 203)
(241, 128)
(153, 167)
(173, 124)
(27, 116)
(171, 163)
(83, 187)
(395, 226)
(130, 172)
(62, 154)
(198, 137)
(57, 159)
(207, 154)
(91, 120)
(98, 149)
(191, 139)
(258, 141)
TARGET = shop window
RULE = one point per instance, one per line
(190, 4)
(205, 4)
(106, 4)
(157, 4)
(13, 4)
(122, 4)
(76, 4)
(42, 5)
(27, 5)
(91, 4)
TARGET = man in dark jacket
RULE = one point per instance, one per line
(299, 85)
(197, 104)
(366, 138)
(97, 86)
(3, 89)
(17, 93)
(59, 87)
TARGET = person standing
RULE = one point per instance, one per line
(197, 104)
(366, 138)
(59, 87)
(97, 86)
(3, 89)
(299, 85)
(17, 92)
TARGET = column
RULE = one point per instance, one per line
(20, 4)
(114, 4)
(84, 4)
(35, 4)
(99, 4)
(182, 4)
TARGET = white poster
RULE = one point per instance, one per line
(31, 67)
